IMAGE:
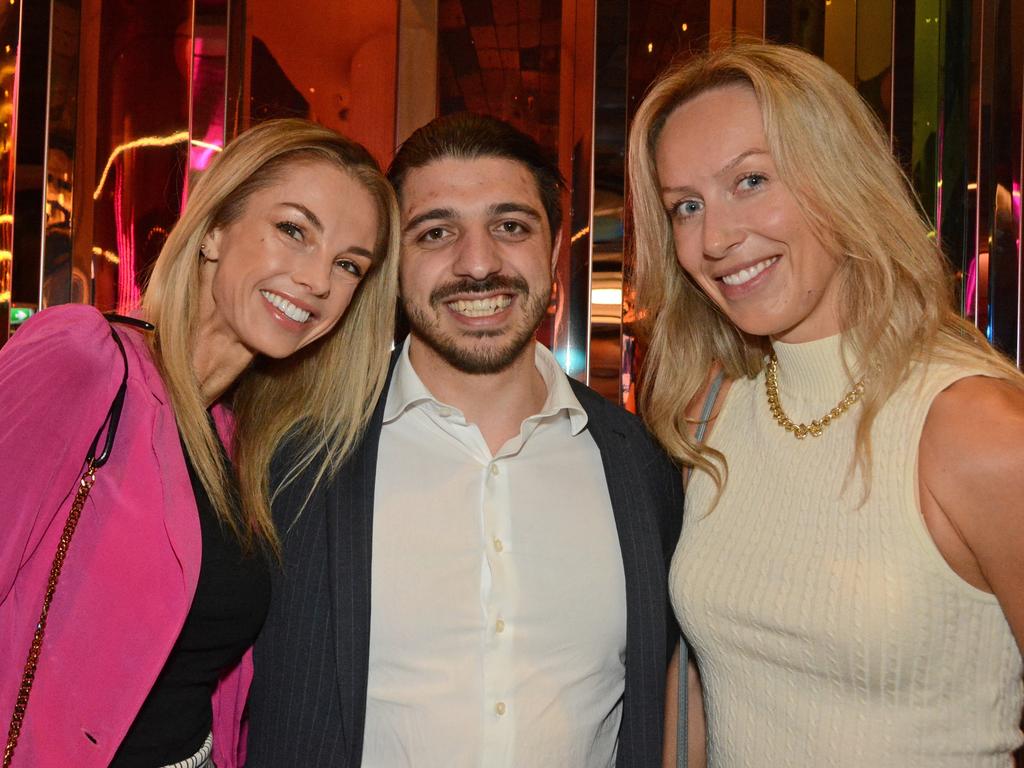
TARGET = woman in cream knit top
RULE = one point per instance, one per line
(829, 629)
(850, 575)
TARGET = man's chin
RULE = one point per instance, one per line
(493, 356)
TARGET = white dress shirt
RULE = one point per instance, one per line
(498, 618)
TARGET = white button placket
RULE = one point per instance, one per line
(499, 708)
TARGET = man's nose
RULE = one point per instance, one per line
(476, 254)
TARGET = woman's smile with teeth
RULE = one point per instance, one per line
(288, 309)
(749, 273)
(480, 307)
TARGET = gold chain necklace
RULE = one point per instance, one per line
(817, 426)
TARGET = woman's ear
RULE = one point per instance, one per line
(208, 246)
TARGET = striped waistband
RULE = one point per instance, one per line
(201, 759)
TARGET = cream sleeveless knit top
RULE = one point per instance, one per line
(829, 633)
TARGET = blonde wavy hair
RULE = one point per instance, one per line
(327, 390)
(895, 286)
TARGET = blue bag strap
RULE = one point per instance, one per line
(684, 651)
(709, 404)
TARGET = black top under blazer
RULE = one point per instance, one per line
(308, 700)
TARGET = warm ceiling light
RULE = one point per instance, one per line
(685, 26)
(606, 296)
(650, 47)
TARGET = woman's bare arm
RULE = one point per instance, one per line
(971, 469)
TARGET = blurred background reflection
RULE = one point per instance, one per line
(107, 107)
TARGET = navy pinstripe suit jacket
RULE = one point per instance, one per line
(307, 706)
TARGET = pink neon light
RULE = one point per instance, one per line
(971, 291)
(207, 76)
(128, 293)
(1015, 204)
(201, 156)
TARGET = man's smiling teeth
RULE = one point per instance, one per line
(748, 274)
(287, 308)
(480, 307)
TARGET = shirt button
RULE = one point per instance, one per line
(498, 546)
(499, 626)
(494, 469)
(444, 413)
(500, 707)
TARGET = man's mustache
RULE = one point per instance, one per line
(492, 284)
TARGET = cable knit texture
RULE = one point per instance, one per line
(829, 632)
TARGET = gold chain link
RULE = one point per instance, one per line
(84, 486)
(817, 426)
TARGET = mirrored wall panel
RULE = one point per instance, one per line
(207, 122)
(9, 37)
(608, 218)
(127, 121)
(61, 283)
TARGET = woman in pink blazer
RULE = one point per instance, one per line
(146, 660)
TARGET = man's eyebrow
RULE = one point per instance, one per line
(724, 169)
(527, 210)
(431, 215)
(313, 219)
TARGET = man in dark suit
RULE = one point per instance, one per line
(484, 581)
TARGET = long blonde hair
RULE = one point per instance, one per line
(896, 291)
(327, 390)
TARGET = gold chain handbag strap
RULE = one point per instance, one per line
(21, 704)
(92, 462)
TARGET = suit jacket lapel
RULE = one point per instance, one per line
(349, 547)
(639, 543)
(627, 507)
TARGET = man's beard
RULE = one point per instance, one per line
(458, 351)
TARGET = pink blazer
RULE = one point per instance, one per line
(133, 564)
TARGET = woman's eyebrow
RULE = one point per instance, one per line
(313, 219)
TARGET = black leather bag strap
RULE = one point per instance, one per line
(110, 422)
(109, 425)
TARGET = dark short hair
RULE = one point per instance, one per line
(466, 136)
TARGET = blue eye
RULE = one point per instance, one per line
(752, 181)
(685, 209)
